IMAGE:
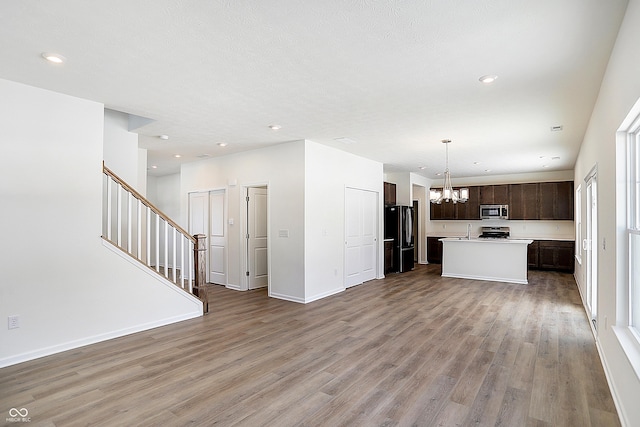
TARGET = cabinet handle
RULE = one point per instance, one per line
(585, 244)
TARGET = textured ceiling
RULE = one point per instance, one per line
(396, 77)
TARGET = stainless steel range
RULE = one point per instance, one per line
(494, 233)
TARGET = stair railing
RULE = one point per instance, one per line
(138, 228)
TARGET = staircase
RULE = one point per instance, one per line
(131, 223)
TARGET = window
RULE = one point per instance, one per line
(627, 327)
(633, 226)
(578, 220)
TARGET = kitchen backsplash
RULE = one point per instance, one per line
(542, 230)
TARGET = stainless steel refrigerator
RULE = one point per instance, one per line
(398, 225)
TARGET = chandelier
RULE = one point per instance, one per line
(448, 193)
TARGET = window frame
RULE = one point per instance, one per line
(628, 225)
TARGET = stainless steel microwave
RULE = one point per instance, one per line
(494, 211)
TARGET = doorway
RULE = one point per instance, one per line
(590, 245)
(257, 258)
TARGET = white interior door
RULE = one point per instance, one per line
(217, 238)
(257, 260)
(361, 236)
(199, 216)
(590, 247)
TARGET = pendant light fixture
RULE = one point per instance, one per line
(448, 193)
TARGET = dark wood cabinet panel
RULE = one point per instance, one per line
(556, 255)
(445, 210)
(564, 201)
(494, 194)
(500, 194)
(556, 200)
(435, 211)
(528, 201)
(547, 197)
(471, 208)
(523, 201)
(389, 265)
(486, 195)
(434, 250)
(389, 194)
(532, 254)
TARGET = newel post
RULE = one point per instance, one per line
(200, 265)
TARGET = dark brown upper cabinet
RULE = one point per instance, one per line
(528, 201)
(523, 201)
(556, 200)
(389, 194)
(471, 208)
(494, 195)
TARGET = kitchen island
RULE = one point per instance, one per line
(498, 260)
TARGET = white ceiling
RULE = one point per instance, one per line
(396, 77)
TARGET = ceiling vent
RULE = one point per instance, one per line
(557, 128)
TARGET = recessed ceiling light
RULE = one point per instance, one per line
(487, 170)
(275, 127)
(54, 57)
(163, 137)
(154, 167)
(177, 156)
(476, 163)
(438, 173)
(222, 144)
(555, 158)
(422, 168)
(489, 78)
(545, 166)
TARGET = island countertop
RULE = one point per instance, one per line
(485, 240)
(499, 260)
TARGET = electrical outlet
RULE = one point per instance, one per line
(13, 322)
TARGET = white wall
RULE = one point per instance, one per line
(121, 153)
(281, 168)
(619, 91)
(66, 286)
(306, 183)
(327, 173)
(164, 193)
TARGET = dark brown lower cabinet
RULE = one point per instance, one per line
(533, 251)
(388, 257)
(556, 255)
(434, 250)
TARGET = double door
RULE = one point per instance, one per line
(207, 215)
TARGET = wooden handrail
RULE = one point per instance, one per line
(146, 202)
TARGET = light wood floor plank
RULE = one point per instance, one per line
(412, 349)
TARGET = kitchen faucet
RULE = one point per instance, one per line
(468, 231)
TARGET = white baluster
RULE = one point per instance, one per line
(148, 236)
(166, 249)
(119, 216)
(157, 218)
(139, 206)
(109, 207)
(129, 215)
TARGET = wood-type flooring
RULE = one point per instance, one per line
(412, 349)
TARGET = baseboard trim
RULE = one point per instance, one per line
(71, 345)
(323, 295)
(286, 297)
